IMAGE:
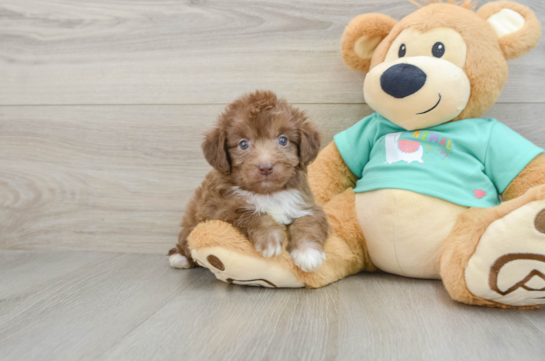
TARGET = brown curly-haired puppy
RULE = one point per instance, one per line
(260, 149)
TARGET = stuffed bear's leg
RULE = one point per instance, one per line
(496, 256)
(346, 249)
(221, 248)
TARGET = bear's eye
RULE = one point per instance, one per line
(243, 144)
(438, 49)
(402, 51)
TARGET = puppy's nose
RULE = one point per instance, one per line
(266, 168)
(402, 80)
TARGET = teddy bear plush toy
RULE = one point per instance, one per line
(414, 189)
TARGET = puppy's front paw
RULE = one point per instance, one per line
(308, 259)
(178, 261)
(270, 242)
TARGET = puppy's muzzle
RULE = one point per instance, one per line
(266, 168)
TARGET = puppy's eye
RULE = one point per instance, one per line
(243, 144)
(402, 51)
(438, 49)
(283, 141)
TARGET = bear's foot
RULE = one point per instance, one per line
(508, 266)
(234, 267)
(222, 249)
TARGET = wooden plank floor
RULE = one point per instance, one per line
(103, 104)
(102, 108)
(110, 178)
(195, 52)
(107, 306)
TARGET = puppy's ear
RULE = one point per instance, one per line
(516, 26)
(309, 145)
(214, 148)
(362, 36)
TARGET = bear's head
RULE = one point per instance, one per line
(441, 63)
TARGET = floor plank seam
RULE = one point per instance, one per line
(197, 104)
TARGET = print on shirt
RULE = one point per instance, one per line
(411, 150)
(439, 154)
(402, 149)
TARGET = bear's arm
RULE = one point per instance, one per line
(329, 175)
(532, 175)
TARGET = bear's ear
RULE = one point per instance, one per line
(362, 36)
(516, 26)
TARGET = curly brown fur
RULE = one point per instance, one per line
(260, 150)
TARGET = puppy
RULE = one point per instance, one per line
(260, 149)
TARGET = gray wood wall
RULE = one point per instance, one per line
(103, 103)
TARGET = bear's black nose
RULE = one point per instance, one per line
(402, 80)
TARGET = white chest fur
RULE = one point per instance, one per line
(284, 207)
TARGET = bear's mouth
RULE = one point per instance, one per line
(432, 108)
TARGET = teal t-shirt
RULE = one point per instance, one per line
(467, 162)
